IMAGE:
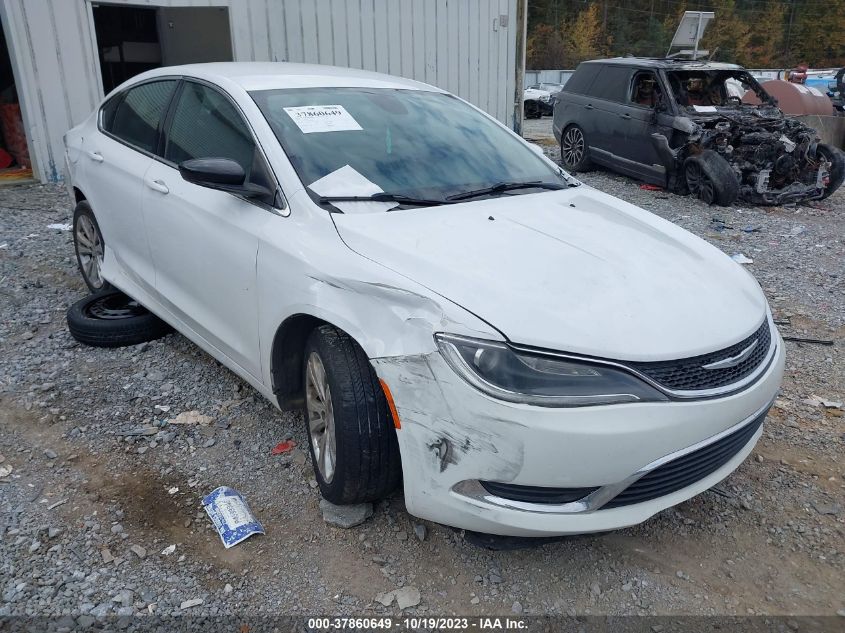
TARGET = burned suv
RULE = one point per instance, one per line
(682, 125)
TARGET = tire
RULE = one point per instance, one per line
(837, 167)
(112, 319)
(574, 151)
(89, 246)
(710, 177)
(532, 110)
(354, 417)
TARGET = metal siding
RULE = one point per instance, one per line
(448, 43)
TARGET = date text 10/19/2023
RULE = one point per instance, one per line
(481, 623)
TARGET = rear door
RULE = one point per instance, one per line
(205, 241)
(644, 117)
(608, 94)
(118, 157)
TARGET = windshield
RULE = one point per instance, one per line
(702, 89)
(411, 142)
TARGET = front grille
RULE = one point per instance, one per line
(688, 469)
(535, 494)
(689, 374)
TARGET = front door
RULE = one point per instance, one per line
(643, 117)
(204, 241)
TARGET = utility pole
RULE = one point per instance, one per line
(789, 30)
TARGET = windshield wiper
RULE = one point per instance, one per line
(501, 187)
(385, 196)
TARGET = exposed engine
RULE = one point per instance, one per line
(774, 157)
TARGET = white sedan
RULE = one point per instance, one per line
(450, 309)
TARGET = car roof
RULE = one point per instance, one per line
(280, 75)
(665, 63)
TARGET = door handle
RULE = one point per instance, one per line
(589, 106)
(625, 116)
(97, 157)
(158, 185)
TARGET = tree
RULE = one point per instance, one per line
(585, 37)
(767, 34)
(728, 35)
(545, 49)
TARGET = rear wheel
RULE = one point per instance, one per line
(710, 178)
(574, 151)
(837, 167)
(89, 246)
(350, 428)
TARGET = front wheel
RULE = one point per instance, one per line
(837, 167)
(710, 177)
(350, 429)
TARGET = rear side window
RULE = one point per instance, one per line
(581, 79)
(611, 83)
(206, 125)
(136, 117)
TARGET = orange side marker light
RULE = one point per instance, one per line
(391, 404)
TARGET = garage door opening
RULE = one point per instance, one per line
(131, 39)
(15, 165)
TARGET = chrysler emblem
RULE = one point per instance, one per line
(733, 361)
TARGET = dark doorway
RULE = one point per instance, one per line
(15, 164)
(131, 39)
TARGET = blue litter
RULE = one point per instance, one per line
(231, 516)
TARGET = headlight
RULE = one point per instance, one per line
(546, 381)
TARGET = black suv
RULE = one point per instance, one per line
(683, 125)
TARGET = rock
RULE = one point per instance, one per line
(228, 588)
(117, 528)
(595, 589)
(827, 508)
(49, 453)
(402, 535)
(386, 598)
(107, 556)
(192, 417)
(495, 578)
(516, 607)
(53, 532)
(209, 443)
(187, 604)
(125, 597)
(475, 600)
(345, 516)
(155, 376)
(298, 457)
(34, 547)
(167, 551)
(139, 551)
(420, 531)
(407, 597)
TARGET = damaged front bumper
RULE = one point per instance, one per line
(454, 439)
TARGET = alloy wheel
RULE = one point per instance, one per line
(572, 147)
(89, 248)
(318, 404)
(698, 183)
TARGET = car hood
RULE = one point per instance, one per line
(573, 270)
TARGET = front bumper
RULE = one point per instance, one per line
(453, 436)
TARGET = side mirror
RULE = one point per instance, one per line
(217, 173)
(223, 174)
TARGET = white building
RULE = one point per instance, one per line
(60, 57)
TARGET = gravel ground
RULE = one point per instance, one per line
(90, 504)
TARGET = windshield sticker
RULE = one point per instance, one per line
(322, 118)
(700, 108)
(348, 182)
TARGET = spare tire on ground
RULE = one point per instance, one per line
(113, 319)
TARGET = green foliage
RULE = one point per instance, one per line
(755, 33)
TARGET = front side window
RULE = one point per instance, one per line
(410, 142)
(135, 118)
(205, 124)
(645, 90)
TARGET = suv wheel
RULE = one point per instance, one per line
(710, 178)
(89, 246)
(837, 167)
(350, 429)
(574, 151)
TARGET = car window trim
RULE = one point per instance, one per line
(284, 209)
(122, 95)
(637, 72)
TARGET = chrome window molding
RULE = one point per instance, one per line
(594, 501)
